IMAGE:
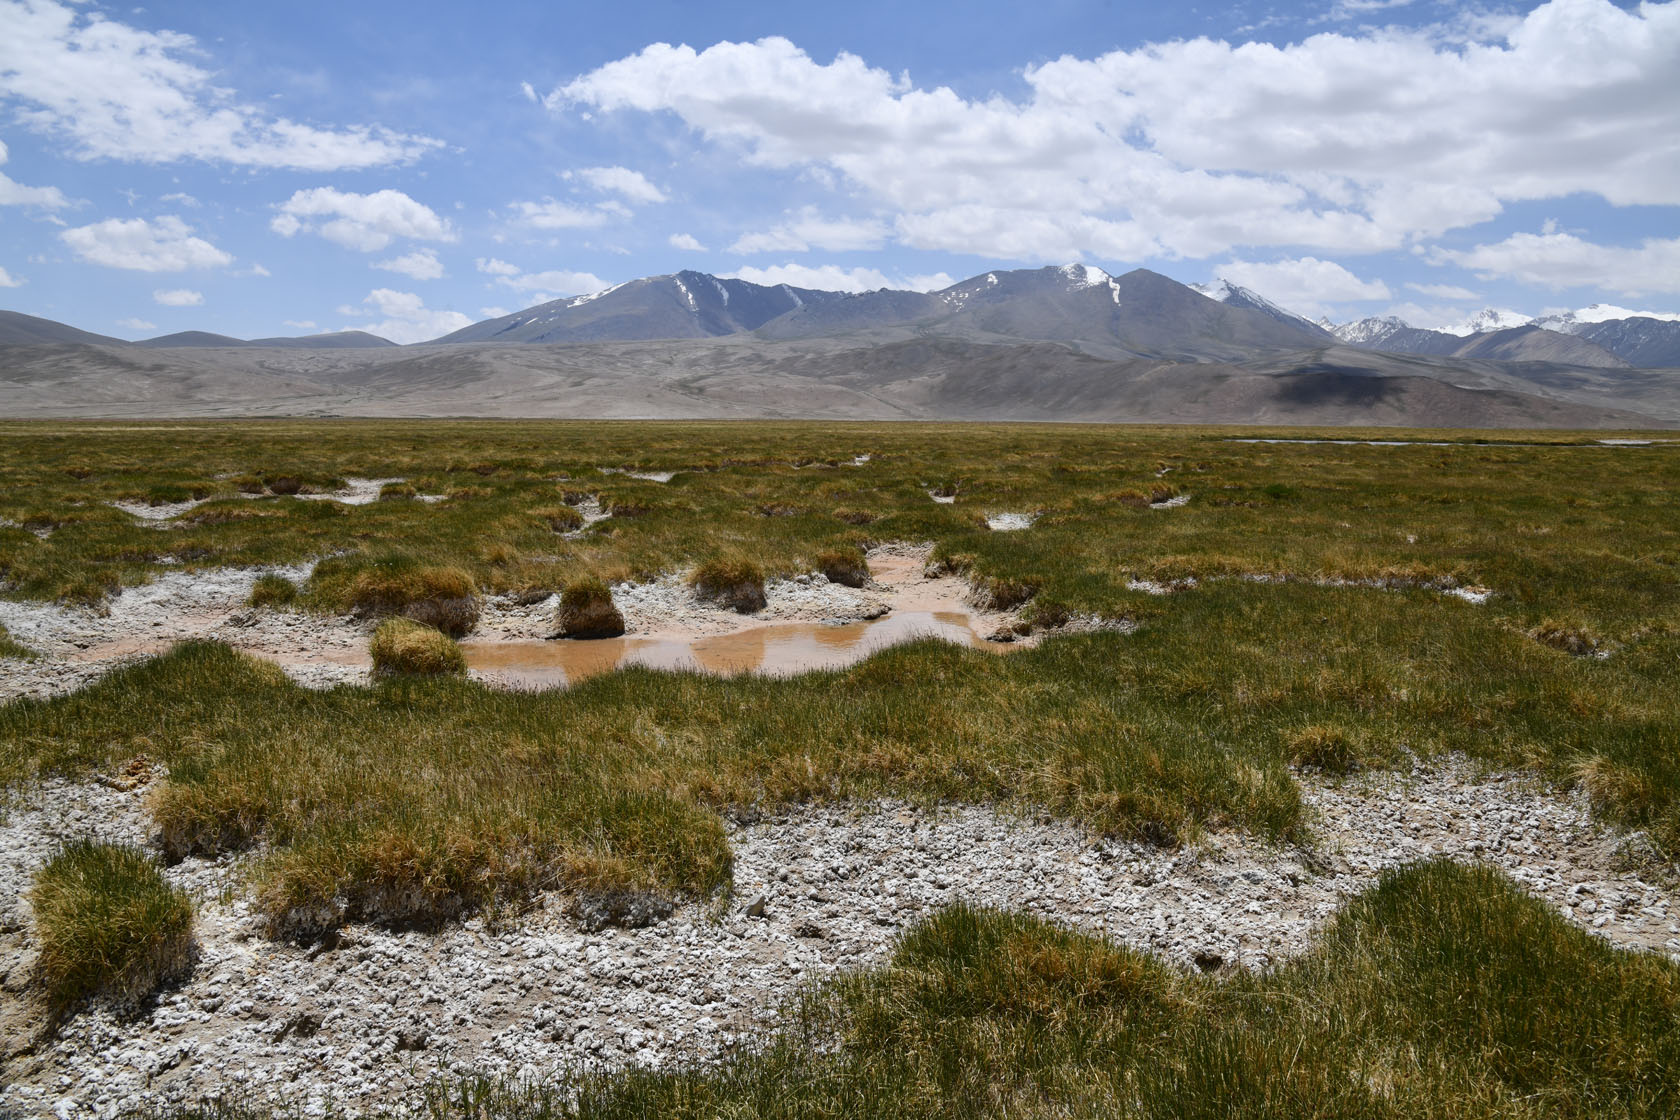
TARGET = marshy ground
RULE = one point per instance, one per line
(1226, 655)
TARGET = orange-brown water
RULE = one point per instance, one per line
(777, 649)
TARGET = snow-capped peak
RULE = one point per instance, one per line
(1571, 321)
(1223, 291)
(1220, 291)
(1487, 319)
(1367, 331)
(1084, 275)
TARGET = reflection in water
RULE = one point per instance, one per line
(778, 649)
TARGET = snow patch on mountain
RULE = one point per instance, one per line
(579, 301)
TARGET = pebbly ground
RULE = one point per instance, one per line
(356, 1023)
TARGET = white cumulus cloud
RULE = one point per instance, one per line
(403, 317)
(16, 194)
(1306, 286)
(687, 242)
(549, 214)
(929, 282)
(632, 185)
(422, 264)
(834, 278)
(164, 244)
(810, 230)
(1355, 141)
(114, 91)
(178, 297)
(560, 280)
(7, 280)
(137, 324)
(1563, 260)
(366, 222)
(300, 324)
(1444, 291)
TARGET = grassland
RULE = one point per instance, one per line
(417, 799)
(1310, 629)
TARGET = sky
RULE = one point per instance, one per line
(408, 168)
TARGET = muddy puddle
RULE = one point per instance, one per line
(776, 649)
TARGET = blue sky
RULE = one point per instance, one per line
(408, 168)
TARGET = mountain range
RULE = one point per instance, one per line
(17, 329)
(1636, 340)
(1060, 343)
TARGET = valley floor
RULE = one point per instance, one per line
(1339, 774)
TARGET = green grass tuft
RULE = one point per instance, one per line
(272, 590)
(108, 924)
(10, 647)
(401, 645)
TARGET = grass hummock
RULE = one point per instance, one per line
(271, 590)
(108, 924)
(561, 519)
(844, 566)
(440, 596)
(731, 582)
(401, 645)
(587, 611)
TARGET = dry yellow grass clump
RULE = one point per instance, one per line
(401, 645)
(440, 596)
(732, 582)
(587, 610)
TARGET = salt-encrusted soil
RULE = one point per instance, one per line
(355, 1023)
